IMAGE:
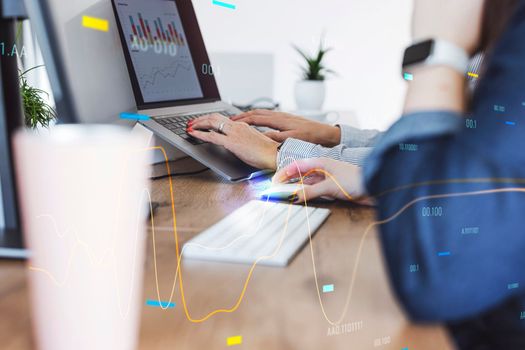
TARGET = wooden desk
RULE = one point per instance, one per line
(280, 310)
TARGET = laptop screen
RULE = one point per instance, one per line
(164, 51)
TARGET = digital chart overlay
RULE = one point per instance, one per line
(167, 303)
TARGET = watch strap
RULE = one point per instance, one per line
(445, 53)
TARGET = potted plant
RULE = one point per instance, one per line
(310, 91)
(37, 112)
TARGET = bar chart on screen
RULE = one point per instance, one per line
(159, 50)
(162, 39)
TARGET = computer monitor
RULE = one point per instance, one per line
(11, 242)
(11, 115)
(100, 87)
(42, 23)
(11, 118)
(92, 58)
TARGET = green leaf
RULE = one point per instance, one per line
(315, 69)
(36, 110)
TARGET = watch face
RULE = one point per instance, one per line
(418, 52)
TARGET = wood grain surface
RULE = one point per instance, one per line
(281, 308)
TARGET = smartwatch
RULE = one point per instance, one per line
(435, 52)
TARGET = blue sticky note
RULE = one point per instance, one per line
(328, 288)
(134, 116)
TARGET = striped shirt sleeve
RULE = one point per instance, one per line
(353, 137)
(293, 149)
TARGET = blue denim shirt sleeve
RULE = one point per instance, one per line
(451, 196)
(413, 126)
(442, 218)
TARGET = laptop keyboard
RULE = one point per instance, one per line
(178, 124)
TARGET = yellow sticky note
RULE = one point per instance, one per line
(234, 340)
(95, 23)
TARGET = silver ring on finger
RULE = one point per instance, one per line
(220, 129)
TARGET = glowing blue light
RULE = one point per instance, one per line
(328, 288)
(134, 116)
(156, 303)
(224, 4)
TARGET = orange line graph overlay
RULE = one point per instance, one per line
(178, 272)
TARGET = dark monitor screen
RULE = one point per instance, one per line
(164, 52)
(11, 242)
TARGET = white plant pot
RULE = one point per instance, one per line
(309, 95)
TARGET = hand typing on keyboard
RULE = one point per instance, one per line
(250, 145)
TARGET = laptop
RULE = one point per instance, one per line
(172, 78)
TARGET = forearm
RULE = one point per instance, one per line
(436, 88)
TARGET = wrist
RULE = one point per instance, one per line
(436, 88)
(272, 149)
(333, 136)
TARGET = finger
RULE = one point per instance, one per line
(297, 168)
(208, 122)
(253, 112)
(279, 136)
(236, 117)
(240, 116)
(212, 116)
(212, 137)
(313, 179)
(258, 120)
(259, 111)
(309, 192)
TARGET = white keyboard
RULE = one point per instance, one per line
(257, 232)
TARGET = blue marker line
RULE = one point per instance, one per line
(224, 4)
(156, 303)
(510, 123)
(327, 288)
(134, 116)
(443, 253)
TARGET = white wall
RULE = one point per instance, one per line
(368, 37)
